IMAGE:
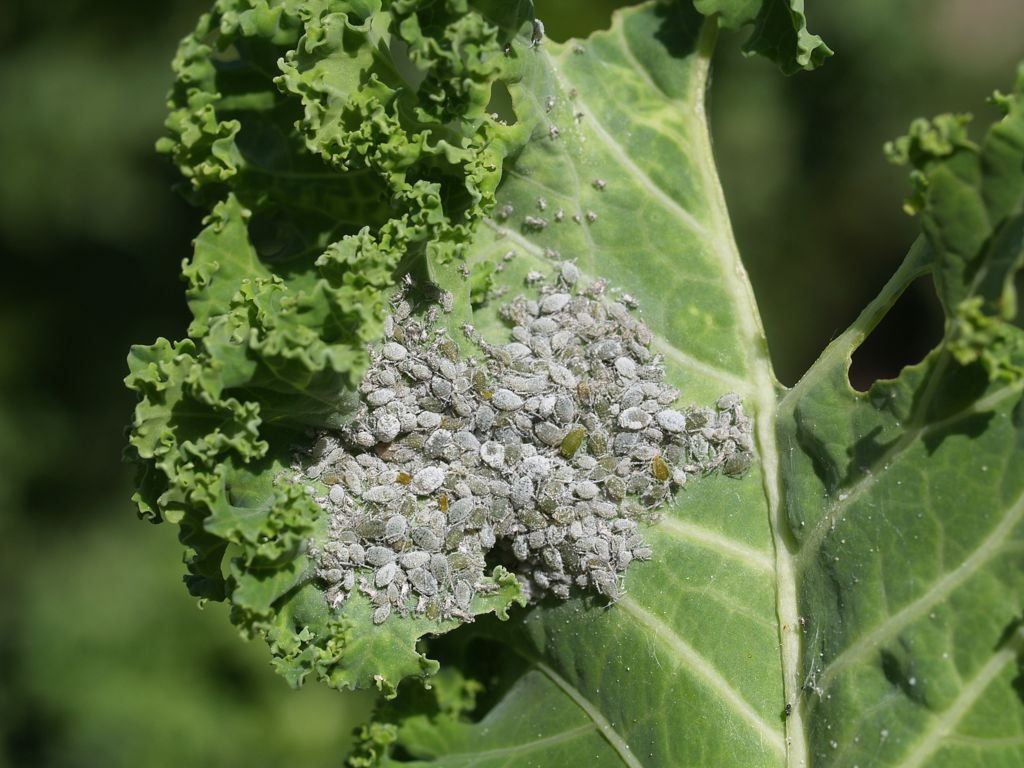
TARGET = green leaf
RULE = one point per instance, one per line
(695, 640)
(855, 599)
(780, 30)
(338, 146)
(907, 502)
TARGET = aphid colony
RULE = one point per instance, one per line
(541, 454)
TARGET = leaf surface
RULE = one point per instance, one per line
(855, 599)
(686, 668)
(867, 577)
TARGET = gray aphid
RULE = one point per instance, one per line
(423, 581)
(378, 556)
(395, 528)
(414, 559)
(506, 400)
(380, 397)
(385, 574)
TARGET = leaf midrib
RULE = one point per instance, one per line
(765, 399)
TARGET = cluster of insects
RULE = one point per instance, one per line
(542, 454)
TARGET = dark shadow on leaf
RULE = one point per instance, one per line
(866, 454)
(1018, 682)
(971, 427)
(814, 447)
(961, 386)
(479, 655)
(899, 672)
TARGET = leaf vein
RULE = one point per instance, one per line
(709, 539)
(600, 722)
(660, 343)
(639, 175)
(944, 723)
(992, 545)
(813, 540)
(701, 668)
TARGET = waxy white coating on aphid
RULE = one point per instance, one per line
(380, 397)
(492, 453)
(554, 302)
(506, 400)
(671, 421)
(538, 33)
(394, 351)
(427, 480)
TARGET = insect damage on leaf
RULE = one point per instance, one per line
(542, 455)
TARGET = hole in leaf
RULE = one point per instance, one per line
(485, 670)
(576, 18)
(501, 103)
(907, 333)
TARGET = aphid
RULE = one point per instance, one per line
(591, 216)
(427, 480)
(659, 469)
(538, 33)
(536, 223)
(554, 132)
(356, 554)
(463, 595)
(378, 556)
(385, 574)
(599, 184)
(505, 212)
(425, 538)
(577, 218)
(560, 214)
(542, 204)
(395, 528)
(634, 419)
(728, 401)
(423, 582)
(336, 494)
(671, 421)
(414, 559)
(506, 400)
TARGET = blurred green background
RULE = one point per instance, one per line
(104, 659)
